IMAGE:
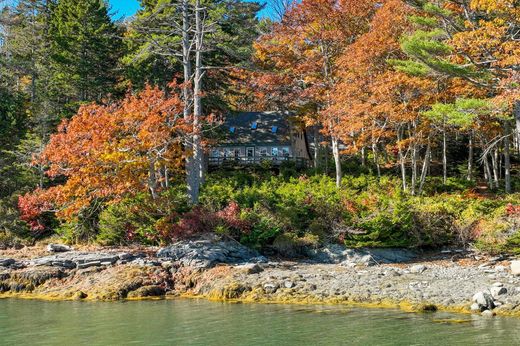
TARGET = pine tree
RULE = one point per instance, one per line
(85, 49)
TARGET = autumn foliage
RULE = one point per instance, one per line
(109, 151)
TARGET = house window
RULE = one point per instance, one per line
(274, 151)
(250, 152)
(228, 152)
(262, 152)
(274, 129)
(215, 153)
(237, 152)
(232, 129)
(254, 125)
(285, 151)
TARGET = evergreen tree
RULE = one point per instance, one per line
(85, 49)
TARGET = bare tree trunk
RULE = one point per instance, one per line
(470, 157)
(517, 121)
(337, 160)
(316, 146)
(487, 172)
(507, 158)
(363, 156)
(444, 157)
(152, 179)
(425, 167)
(402, 159)
(197, 172)
(376, 159)
(495, 167)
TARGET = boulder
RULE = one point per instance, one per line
(270, 287)
(252, 268)
(6, 262)
(58, 248)
(205, 253)
(515, 267)
(484, 300)
(417, 269)
(488, 313)
(339, 254)
(497, 291)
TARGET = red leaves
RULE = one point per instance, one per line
(109, 151)
(31, 207)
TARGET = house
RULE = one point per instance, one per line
(255, 137)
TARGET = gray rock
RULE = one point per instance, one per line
(270, 287)
(515, 267)
(497, 291)
(252, 268)
(289, 284)
(6, 262)
(498, 284)
(207, 253)
(475, 307)
(488, 313)
(335, 253)
(484, 300)
(417, 269)
(58, 248)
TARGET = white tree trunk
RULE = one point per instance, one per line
(337, 160)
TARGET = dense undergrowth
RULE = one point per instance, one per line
(290, 212)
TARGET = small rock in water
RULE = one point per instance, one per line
(498, 284)
(515, 267)
(58, 248)
(417, 269)
(488, 313)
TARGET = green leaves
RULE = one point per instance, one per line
(460, 114)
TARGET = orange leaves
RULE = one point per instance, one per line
(107, 151)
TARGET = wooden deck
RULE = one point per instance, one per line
(246, 160)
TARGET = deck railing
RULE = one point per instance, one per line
(256, 160)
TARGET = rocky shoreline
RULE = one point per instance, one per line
(450, 280)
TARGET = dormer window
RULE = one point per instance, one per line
(274, 129)
(232, 129)
(254, 125)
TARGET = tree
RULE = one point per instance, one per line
(106, 152)
(476, 41)
(205, 38)
(300, 56)
(85, 48)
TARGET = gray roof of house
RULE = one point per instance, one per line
(262, 135)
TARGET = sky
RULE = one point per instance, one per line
(127, 8)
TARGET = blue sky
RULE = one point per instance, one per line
(126, 8)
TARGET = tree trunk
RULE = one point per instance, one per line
(517, 121)
(197, 171)
(425, 167)
(507, 158)
(487, 172)
(496, 168)
(337, 160)
(444, 157)
(470, 157)
(316, 131)
(402, 159)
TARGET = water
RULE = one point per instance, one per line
(197, 322)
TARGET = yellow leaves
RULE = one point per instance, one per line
(492, 5)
